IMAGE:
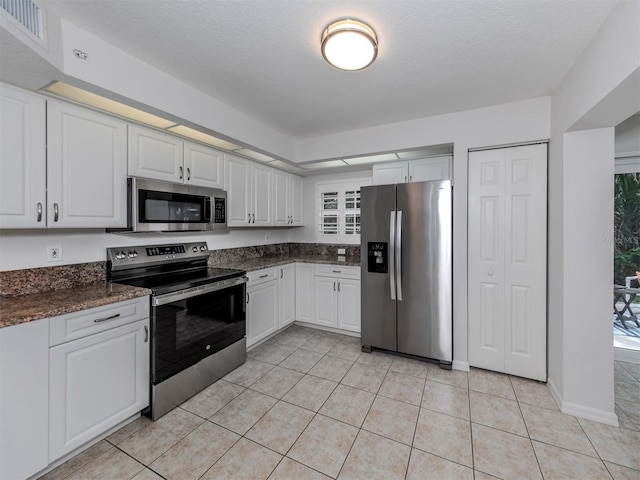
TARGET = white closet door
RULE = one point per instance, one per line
(507, 260)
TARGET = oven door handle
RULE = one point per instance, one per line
(195, 291)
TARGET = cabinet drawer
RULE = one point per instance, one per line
(337, 271)
(260, 276)
(87, 322)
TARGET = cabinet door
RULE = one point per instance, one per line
(203, 166)
(86, 168)
(262, 311)
(24, 399)
(238, 182)
(304, 292)
(295, 200)
(325, 295)
(430, 169)
(154, 154)
(261, 214)
(96, 382)
(349, 304)
(23, 167)
(389, 173)
(287, 294)
(280, 198)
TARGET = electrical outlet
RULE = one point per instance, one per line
(342, 251)
(54, 253)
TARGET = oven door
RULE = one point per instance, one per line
(191, 325)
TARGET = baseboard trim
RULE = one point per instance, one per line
(460, 365)
(582, 411)
(626, 355)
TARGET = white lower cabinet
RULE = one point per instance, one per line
(100, 377)
(336, 297)
(287, 293)
(262, 305)
(304, 292)
(24, 398)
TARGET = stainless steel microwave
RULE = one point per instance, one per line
(156, 206)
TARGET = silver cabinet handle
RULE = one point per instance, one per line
(181, 172)
(281, 273)
(146, 334)
(410, 178)
(264, 276)
(253, 216)
(39, 212)
(188, 173)
(336, 271)
(405, 178)
(334, 286)
(55, 212)
(338, 286)
(247, 297)
(248, 218)
(98, 320)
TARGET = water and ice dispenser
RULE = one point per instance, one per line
(378, 257)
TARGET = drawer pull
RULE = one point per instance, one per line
(338, 286)
(264, 276)
(39, 212)
(336, 271)
(146, 334)
(98, 320)
(247, 297)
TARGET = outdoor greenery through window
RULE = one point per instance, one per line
(626, 259)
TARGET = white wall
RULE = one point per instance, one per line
(580, 213)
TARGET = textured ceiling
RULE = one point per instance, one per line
(262, 57)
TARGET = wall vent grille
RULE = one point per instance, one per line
(27, 13)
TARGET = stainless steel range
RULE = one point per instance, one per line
(198, 317)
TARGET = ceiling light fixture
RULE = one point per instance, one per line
(349, 44)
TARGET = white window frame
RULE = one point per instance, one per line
(340, 186)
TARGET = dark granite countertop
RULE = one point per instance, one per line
(258, 263)
(18, 309)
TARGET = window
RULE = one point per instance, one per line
(339, 211)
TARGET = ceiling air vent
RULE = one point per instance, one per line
(27, 13)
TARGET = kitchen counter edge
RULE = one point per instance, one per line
(18, 309)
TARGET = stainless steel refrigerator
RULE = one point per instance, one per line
(406, 269)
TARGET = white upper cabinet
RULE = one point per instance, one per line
(249, 193)
(23, 168)
(287, 199)
(203, 166)
(162, 156)
(86, 168)
(436, 168)
(154, 154)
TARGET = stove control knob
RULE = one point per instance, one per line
(195, 249)
(133, 254)
(121, 255)
(203, 248)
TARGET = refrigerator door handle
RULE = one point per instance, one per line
(392, 255)
(398, 254)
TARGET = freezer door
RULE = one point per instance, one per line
(424, 259)
(378, 308)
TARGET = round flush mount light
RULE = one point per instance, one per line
(349, 44)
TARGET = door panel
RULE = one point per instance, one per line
(378, 308)
(425, 311)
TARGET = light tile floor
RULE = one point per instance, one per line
(309, 405)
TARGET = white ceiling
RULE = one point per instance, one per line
(262, 57)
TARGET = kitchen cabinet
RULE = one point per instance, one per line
(23, 167)
(162, 156)
(24, 399)
(287, 293)
(336, 295)
(304, 292)
(436, 168)
(262, 304)
(86, 168)
(287, 199)
(98, 372)
(249, 193)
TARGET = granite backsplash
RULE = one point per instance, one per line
(35, 280)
